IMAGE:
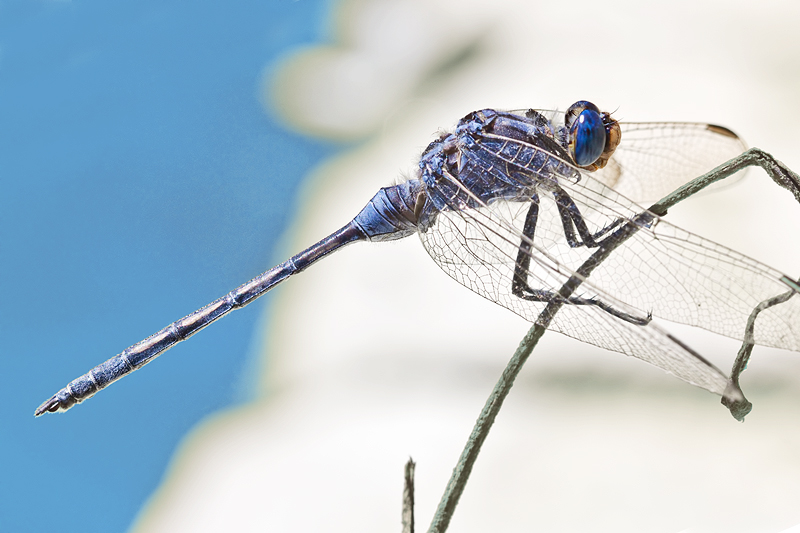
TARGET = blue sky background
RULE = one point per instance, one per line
(141, 178)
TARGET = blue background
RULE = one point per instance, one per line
(141, 179)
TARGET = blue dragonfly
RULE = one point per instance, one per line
(513, 205)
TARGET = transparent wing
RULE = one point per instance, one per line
(680, 276)
(478, 248)
(655, 158)
(660, 269)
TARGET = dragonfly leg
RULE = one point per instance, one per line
(519, 285)
(572, 220)
(521, 289)
(543, 295)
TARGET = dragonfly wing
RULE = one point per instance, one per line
(655, 158)
(682, 277)
(660, 270)
(479, 249)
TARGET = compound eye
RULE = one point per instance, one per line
(587, 135)
(576, 109)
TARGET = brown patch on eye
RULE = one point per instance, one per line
(613, 138)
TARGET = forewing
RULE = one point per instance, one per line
(655, 158)
(682, 277)
(479, 248)
(660, 269)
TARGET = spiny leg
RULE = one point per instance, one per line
(572, 220)
(521, 289)
(519, 285)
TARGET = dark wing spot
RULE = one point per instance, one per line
(721, 130)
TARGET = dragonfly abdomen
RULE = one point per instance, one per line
(390, 214)
(393, 212)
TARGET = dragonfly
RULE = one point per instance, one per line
(513, 204)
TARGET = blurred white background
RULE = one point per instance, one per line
(375, 355)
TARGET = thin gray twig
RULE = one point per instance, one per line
(408, 497)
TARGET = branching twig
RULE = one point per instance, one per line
(779, 173)
(740, 408)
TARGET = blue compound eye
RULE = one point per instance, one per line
(587, 137)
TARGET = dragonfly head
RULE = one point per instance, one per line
(592, 135)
